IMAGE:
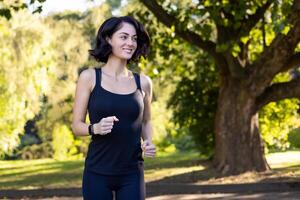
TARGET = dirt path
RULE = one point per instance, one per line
(167, 191)
(231, 196)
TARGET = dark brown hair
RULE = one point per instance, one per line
(103, 49)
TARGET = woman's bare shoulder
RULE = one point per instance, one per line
(146, 82)
(87, 74)
(87, 77)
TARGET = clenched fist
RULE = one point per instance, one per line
(105, 125)
(149, 149)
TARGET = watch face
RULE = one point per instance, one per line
(92, 129)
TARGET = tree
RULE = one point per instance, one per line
(251, 42)
(8, 7)
(26, 64)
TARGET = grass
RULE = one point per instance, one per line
(179, 167)
(40, 174)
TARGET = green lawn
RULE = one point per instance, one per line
(184, 167)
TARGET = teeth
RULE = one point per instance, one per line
(128, 50)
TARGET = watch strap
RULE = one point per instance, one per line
(91, 129)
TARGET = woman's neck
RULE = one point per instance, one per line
(116, 67)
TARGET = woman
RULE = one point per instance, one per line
(118, 104)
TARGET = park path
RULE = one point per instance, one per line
(249, 191)
(231, 196)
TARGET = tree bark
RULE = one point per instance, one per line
(238, 145)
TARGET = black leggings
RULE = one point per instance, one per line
(101, 187)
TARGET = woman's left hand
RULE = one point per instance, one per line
(149, 149)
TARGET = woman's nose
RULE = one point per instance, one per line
(131, 42)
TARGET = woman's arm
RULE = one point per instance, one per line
(148, 146)
(85, 85)
(83, 90)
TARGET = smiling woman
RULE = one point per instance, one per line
(118, 102)
(120, 34)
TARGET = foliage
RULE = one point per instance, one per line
(8, 7)
(277, 119)
(194, 102)
(62, 143)
(294, 138)
(161, 119)
(36, 151)
(189, 78)
(24, 74)
(40, 63)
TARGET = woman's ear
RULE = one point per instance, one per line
(108, 40)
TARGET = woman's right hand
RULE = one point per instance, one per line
(105, 125)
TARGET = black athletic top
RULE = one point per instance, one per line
(119, 151)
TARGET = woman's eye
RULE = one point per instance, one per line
(134, 39)
(123, 37)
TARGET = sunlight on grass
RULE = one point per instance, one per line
(167, 165)
(50, 173)
(283, 159)
(285, 166)
(31, 174)
(157, 174)
(13, 163)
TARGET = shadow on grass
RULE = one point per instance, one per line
(44, 167)
(187, 178)
(286, 174)
(159, 164)
(60, 173)
(175, 160)
(210, 173)
(69, 173)
(295, 167)
(66, 176)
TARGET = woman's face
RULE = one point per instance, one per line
(124, 41)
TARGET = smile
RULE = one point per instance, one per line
(128, 50)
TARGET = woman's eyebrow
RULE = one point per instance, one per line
(125, 33)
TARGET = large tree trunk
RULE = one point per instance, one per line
(239, 147)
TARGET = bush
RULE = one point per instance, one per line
(36, 151)
(294, 138)
(29, 139)
(276, 120)
(63, 142)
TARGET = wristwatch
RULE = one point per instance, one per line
(91, 129)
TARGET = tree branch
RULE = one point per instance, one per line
(279, 91)
(292, 63)
(169, 20)
(250, 22)
(235, 68)
(276, 56)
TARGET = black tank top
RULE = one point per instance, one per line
(118, 152)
